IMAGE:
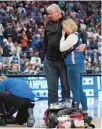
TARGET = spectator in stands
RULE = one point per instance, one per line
(100, 50)
(15, 58)
(28, 69)
(30, 53)
(21, 9)
(82, 25)
(23, 60)
(1, 52)
(9, 31)
(1, 32)
(16, 93)
(89, 33)
(1, 67)
(22, 65)
(18, 27)
(95, 56)
(37, 43)
(89, 68)
(6, 52)
(93, 43)
(13, 68)
(36, 60)
(88, 55)
(37, 70)
(30, 34)
(11, 44)
(17, 47)
(24, 41)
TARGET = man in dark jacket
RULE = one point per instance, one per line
(54, 63)
(15, 93)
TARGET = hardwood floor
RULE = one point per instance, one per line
(94, 106)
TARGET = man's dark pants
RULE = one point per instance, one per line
(19, 103)
(54, 71)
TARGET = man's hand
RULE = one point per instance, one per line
(81, 48)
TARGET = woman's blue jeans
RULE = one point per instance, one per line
(54, 71)
(74, 72)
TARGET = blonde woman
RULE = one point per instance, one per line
(74, 61)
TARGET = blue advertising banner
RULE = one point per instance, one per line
(91, 85)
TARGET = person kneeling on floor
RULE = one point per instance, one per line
(15, 93)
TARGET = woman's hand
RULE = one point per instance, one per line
(63, 33)
(81, 48)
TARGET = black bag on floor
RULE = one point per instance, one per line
(66, 117)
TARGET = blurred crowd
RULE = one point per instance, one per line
(22, 29)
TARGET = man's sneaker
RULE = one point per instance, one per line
(31, 119)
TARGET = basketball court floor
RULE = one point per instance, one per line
(94, 109)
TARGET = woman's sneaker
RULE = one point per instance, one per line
(31, 119)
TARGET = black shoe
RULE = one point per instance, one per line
(11, 121)
(2, 122)
(87, 118)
